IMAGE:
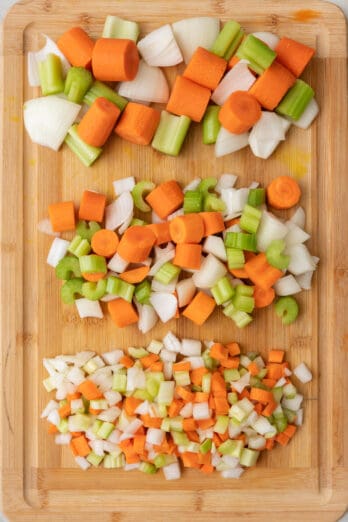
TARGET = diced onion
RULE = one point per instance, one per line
(159, 48)
(226, 142)
(88, 308)
(149, 85)
(58, 250)
(191, 33)
(239, 78)
(34, 59)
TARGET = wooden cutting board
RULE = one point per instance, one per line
(305, 481)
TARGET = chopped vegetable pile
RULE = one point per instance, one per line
(209, 244)
(245, 89)
(153, 408)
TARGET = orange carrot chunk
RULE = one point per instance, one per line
(261, 272)
(205, 68)
(161, 231)
(295, 56)
(138, 123)
(188, 255)
(276, 356)
(122, 312)
(262, 297)
(272, 85)
(77, 47)
(233, 61)
(187, 229)
(233, 348)
(93, 278)
(98, 122)
(105, 242)
(200, 308)
(62, 216)
(136, 244)
(188, 99)
(89, 390)
(239, 112)
(92, 206)
(213, 223)
(283, 192)
(115, 60)
(136, 275)
(165, 198)
(80, 445)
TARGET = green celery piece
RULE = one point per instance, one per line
(221, 424)
(142, 292)
(137, 353)
(240, 318)
(163, 460)
(241, 241)
(274, 254)
(232, 398)
(142, 395)
(206, 383)
(51, 75)
(63, 426)
(70, 289)
(212, 203)
(211, 124)
(94, 459)
(222, 291)
(93, 264)
(207, 185)
(100, 90)
(243, 303)
(105, 430)
(234, 45)
(171, 133)
(287, 309)
(231, 447)
(147, 467)
(119, 382)
(68, 267)
(259, 55)
(277, 393)
(87, 230)
(296, 100)
(137, 222)
(250, 219)
(249, 457)
(235, 258)
(281, 423)
(182, 378)
(77, 83)
(116, 286)
(167, 273)
(231, 374)
(94, 291)
(79, 247)
(180, 438)
(229, 36)
(256, 197)
(138, 192)
(290, 415)
(245, 290)
(205, 446)
(209, 362)
(116, 27)
(86, 153)
(193, 201)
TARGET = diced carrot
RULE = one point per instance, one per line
(185, 394)
(269, 443)
(207, 468)
(187, 229)
(136, 275)
(233, 348)
(270, 383)
(97, 124)
(290, 430)
(89, 390)
(93, 278)
(122, 312)
(222, 407)
(295, 56)
(232, 362)
(81, 446)
(233, 61)
(239, 112)
(261, 272)
(148, 361)
(205, 68)
(92, 206)
(224, 436)
(188, 99)
(263, 298)
(189, 459)
(175, 407)
(218, 351)
(193, 436)
(165, 198)
(274, 371)
(276, 356)
(213, 223)
(189, 424)
(105, 242)
(272, 85)
(205, 424)
(245, 394)
(73, 396)
(200, 308)
(94, 411)
(263, 396)
(201, 397)
(76, 433)
(218, 384)
(183, 366)
(204, 458)
(231, 222)
(216, 439)
(151, 422)
(126, 361)
(253, 368)
(241, 437)
(140, 431)
(130, 404)
(258, 408)
(211, 402)
(115, 60)
(283, 192)
(157, 366)
(72, 449)
(138, 123)
(139, 444)
(196, 375)
(161, 231)
(64, 411)
(188, 256)
(52, 428)
(282, 439)
(136, 244)
(62, 216)
(77, 47)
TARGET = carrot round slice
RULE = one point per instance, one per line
(283, 192)
(239, 112)
(263, 298)
(105, 242)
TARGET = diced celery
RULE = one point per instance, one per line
(63, 426)
(79, 247)
(207, 185)
(116, 286)
(289, 391)
(112, 461)
(165, 426)
(206, 383)
(166, 392)
(287, 309)
(140, 189)
(176, 423)
(206, 446)
(94, 291)
(222, 291)
(98, 404)
(274, 254)
(105, 430)
(142, 292)
(68, 267)
(209, 362)
(235, 258)
(193, 201)
(211, 124)
(212, 203)
(243, 303)
(94, 459)
(100, 90)
(296, 100)
(249, 457)
(86, 153)
(96, 425)
(221, 424)
(231, 374)
(70, 289)
(51, 75)
(77, 83)
(147, 467)
(164, 460)
(256, 197)
(258, 54)
(240, 318)
(232, 398)
(137, 353)
(227, 40)
(248, 291)
(277, 393)
(180, 438)
(167, 273)
(87, 230)
(152, 387)
(93, 264)
(290, 415)
(231, 447)
(115, 27)
(281, 423)
(171, 133)
(250, 219)
(182, 378)
(241, 241)
(119, 382)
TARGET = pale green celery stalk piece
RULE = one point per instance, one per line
(250, 219)
(193, 201)
(211, 124)
(116, 27)
(243, 303)
(137, 353)
(275, 256)
(141, 188)
(235, 258)
(93, 264)
(147, 467)
(167, 273)
(77, 83)
(142, 395)
(79, 247)
(119, 382)
(163, 460)
(287, 308)
(221, 424)
(222, 291)
(171, 133)
(205, 446)
(206, 383)
(86, 153)
(142, 292)
(207, 185)
(249, 457)
(182, 378)
(87, 230)
(228, 35)
(212, 203)
(51, 75)
(258, 54)
(256, 197)
(94, 291)
(117, 286)
(67, 268)
(231, 447)
(231, 374)
(100, 90)
(249, 291)
(105, 430)
(234, 45)
(296, 100)
(241, 241)
(94, 459)
(70, 289)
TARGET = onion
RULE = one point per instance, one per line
(239, 78)
(193, 185)
(117, 264)
(164, 304)
(59, 248)
(287, 285)
(45, 226)
(215, 245)
(196, 362)
(51, 406)
(210, 272)
(172, 471)
(62, 438)
(161, 251)
(135, 378)
(242, 382)
(225, 181)
(299, 417)
(191, 347)
(167, 371)
(300, 259)
(295, 234)
(268, 38)
(123, 185)
(48, 119)
(159, 47)
(149, 85)
(234, 473)
(75, 375)
(147, 317)
(226, 142)
(298, 218)
(270, 228)
(112, 357)
(168, 356)
(112, 397)
(172, 343)
(125, 224)
(50, 47)
(267, 133)
(191, 33)
(143, 408)
(257, 443)
(305, 280)
(307, 117)
(166, 256)
(235, 200)
(87, 308)
(83, 463)
(186, 411)
(200, 411)
(155, 436)
(293, 404)
(303, 373)
(119, 211)
(157, 286)
(185, 290)
(155, 218)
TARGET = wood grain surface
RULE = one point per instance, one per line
(305, 481)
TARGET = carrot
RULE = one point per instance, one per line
(89, 390)
(136, 275)
(207, 468)
(196, 375)
(218, 385)
(136, 244)
(274, 371)
(185, 394)
(231, 222)
(94, 411)
(98, 122)
(93, 278)
(148, 361)
(138, 123)
(76, 433)
(161, 231)
(77, 47)
(240, 273)
(230, 362)
(290, 430)
(261, 272)
(222, 407)
(193, 436)
(105, 242)
(233, 348)
(205, 68)
(190, 459)
(270, 383)
(258, 408)
(213, 223)
(174, 408)
(157, 366)
(64, 411)
(183, 366)
(239, 112)
(269, 409)
(200, 308)
(62, 216)
(253, 368)
(224, 436)
(263, 396)
(205, 424)
(204, 458)
(189, 424)
(241, 437)
(81, 446)
(263, 298)
(283, 192)
(244, 394)
(52, 428)
(115, 60)
(218, 351)
(188, 99)
(187, 229)
(126, 361)
(233, 61)
(216, 439)
(122, 312)
(201, 397)
(130, 404)
(139, 444)
(151, 422)
(73, 396)
(272, 85)
(188, 255)
(165, 198)
(295, 56)
(276, 356)
(92, 206)
(269, 443)
(282, 439)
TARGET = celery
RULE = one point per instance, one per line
(193, 201)
(116, 27)
(163, 460)
(258, 54)
(100, 90)
(222, 291)
(206, 383)
(70, 289)
(105, 430)
(111, 461)
(147, 467)
(209, 362)
(166, 392)
(119, 382)
(141, 188)
(51, 75)
(182, 378)
(142, 292)
(227, 40)
(250, 219)
(249, 291)
(274, 254)
(213, 203)
(116, 286)
(165, 426)
(137, 222)
(207, 185)
(94, 459)
(211, 124)
(231, 447)
(98, 404)
(290, 415)
(152, 387)
(256, 197)
(87, 230)
(262, 373)
(249, 457)
(94, 291)
(180, 438)
(296, 100)
(206, 446)
(240, 318)
(235, 258)
(232, 398)
(142, 395)
(68, 267)
(277, 393)
(96, 425)
(243, 303)
(281, 423)
(77, 83)
(176, 424)
(137, 353)
(241, 241)
(231, 374)
(63, 426)
(167, 273)
(86, 153)
(93, 264)
(221, 424)
(79, 247)
(287, 309)
(171, 133)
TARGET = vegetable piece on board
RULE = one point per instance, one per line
(283, 192)
(263, 298)
(165, 198)
(171, 133)
(115, 60)
(240, 112)
(136, 275)
(62, 216)
(272, 85)
(161, 231)
(98, 122)
(200, 308)
(296, 100)
(100, 90)
(136, 244)
(213, 223)
(187, 229)
(228, 40)
(188, 99)
(86, 153)
(188, 255)
(261, 273)
(78, 81)
(122, 312)
(287, 309)
(257, 53)
(77, 47)
(105, 242)
(294, 55)
(138, 123)
(211, 124)
(92, 206)
(205, 68)
(51, 75)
